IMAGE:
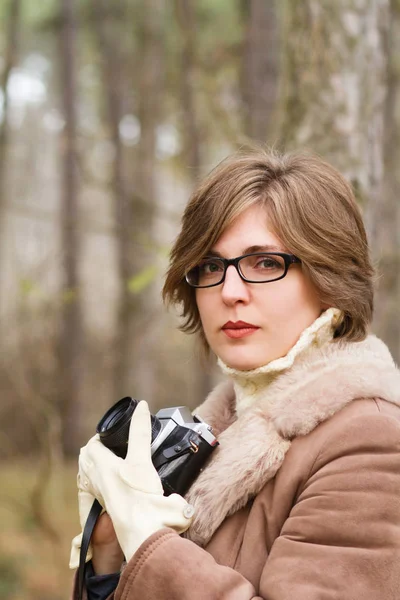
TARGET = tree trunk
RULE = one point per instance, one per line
(108, 30)
(336, 97)
(335, 88)
(387, 243)
(133, 182)
(140, 322)
(184, 10)
(186, 19)
(260, 68)
(71, 337)
(10, 59)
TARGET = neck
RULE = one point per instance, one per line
(250, 386)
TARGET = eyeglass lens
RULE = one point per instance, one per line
(254, 267)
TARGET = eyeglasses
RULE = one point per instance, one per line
(259, 267)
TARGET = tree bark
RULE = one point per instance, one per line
(71, 337)
(336, 101)
(335, 88)
(260, 69)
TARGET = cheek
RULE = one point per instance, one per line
(204, 303)
(298, 305)
(309, 296)
(293, 304)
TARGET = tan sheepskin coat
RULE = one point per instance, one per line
(301, 500)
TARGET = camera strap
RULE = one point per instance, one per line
(86, 536)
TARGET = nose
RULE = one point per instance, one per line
(234, 289)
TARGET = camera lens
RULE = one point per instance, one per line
(116, 417)
(113, 428)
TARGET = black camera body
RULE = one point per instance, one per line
(181, 443)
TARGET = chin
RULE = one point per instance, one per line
(244, 363)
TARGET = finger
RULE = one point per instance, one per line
(139, 445)
(104, 532)
(93, 438)
(96, 465)
(96, 454)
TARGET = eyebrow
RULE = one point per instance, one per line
(249, 250)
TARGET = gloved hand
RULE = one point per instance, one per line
(85, 501)
(130, 490)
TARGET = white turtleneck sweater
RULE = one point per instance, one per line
(250, 386)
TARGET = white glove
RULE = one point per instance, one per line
(131, 490)
(85, 501)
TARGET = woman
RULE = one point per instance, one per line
(302, 497)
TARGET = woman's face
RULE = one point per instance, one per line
(276, 313)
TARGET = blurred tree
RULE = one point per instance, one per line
(138, 328)
(260, 68)
(186, 19)
(10, 54)
(387, 242)
(336, 94)
(130, 43)
(191, 133)
(335, 86)
(107, 25)
(71, 337)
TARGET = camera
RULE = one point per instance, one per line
(180, 443)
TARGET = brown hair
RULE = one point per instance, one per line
(312, 210)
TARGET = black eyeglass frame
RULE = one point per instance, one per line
(289, 259)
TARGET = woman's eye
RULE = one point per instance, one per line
(210, 267)
(267, 263)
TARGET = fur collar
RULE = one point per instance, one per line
(253, 445)
(250, 386)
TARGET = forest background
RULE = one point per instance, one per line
(110, 112)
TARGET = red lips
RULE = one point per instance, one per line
(239, 329)
(239, 325)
